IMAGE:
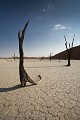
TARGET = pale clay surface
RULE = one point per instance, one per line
(55, 97)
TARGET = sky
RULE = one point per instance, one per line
(49, 21)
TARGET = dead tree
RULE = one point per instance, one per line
(14, 57)
(50, 56)
(69, 50)
(23, 74)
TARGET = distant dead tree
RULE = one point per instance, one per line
(14, 57)
(23, 74)
(50, 56)
(69, 50)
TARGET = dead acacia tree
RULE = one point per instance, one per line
(69, 50)
(14, 57)
(23, 74)
(50, 56)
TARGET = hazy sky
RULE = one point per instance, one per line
(50, 20)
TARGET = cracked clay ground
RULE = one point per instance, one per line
(55, 97)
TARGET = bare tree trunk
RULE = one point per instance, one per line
(50, 57)
(69, 57)
(68, 60)
(23, 74)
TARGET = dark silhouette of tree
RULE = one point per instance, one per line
(23, 74)
(14, 57)
(69, 50)
(50, 56)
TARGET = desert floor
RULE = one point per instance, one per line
(55, 97)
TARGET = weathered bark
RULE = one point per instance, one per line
(23, 74)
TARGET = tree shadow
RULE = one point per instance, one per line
(66, 65)
(13, 88)
(44, 67)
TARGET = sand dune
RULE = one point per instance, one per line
(64, 55)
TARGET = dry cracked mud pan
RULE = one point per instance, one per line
(55, 97)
